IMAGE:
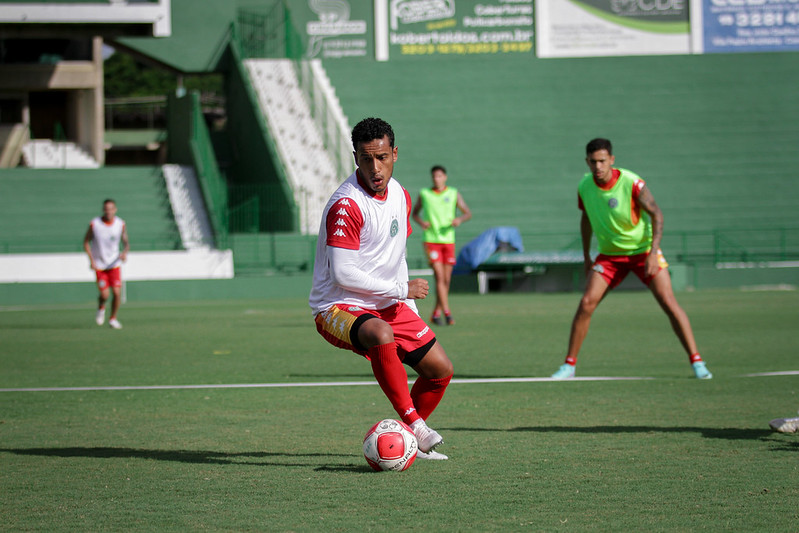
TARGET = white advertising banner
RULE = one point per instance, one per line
(589, 28)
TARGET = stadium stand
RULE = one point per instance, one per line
(46, 210)
(188, 206)
(309, 167)
(714, 136)
(45, 153)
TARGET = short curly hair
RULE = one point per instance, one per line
(370, 129)
(594, 145)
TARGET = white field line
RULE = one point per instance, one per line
(290, 385)
(344, 383)
(762, 374)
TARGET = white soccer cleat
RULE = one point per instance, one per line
(785, 425)
(100, 317)
(114, 323)
(431, 455)
(426, 437)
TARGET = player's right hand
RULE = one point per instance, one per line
(418, 289)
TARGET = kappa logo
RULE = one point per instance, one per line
(339, 233)
(344, 201)
(354, 308)
(409, 411)
(423, 332)
(340, 222)
(342, 212)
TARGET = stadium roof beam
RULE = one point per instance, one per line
(114, 18)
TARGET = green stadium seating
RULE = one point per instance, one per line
(50, 210)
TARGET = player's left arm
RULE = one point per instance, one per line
(125, 243)
(416, 214)
(87, 246)
(647, 202)
(466, 213)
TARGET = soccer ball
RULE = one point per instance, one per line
(390, 445)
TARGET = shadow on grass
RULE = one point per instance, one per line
(198, 457)
(708, 433)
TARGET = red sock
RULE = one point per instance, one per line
(571, 360)
(393, 379)
(694, 358)
(427, 393)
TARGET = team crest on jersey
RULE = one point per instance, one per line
(394, 227)
(612, 203)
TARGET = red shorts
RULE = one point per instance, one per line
(339, 326)
(109, 278)
(614, 268)
(440, 252)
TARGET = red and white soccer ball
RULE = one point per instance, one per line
(390, 445)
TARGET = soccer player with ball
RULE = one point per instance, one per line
(362, 297)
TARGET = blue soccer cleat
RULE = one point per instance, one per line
(701, 370)
(566, 371)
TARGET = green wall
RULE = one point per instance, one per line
(714, 136)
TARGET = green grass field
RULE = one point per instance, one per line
(670, 453)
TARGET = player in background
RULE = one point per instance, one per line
(362, 299)
(440, 204)
(101, 243)
(618, 208)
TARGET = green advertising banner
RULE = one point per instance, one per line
(396, 29)
(418, 28)
(335, 29)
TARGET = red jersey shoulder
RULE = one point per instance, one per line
(638, 186)
(408, 208)
(344, 223)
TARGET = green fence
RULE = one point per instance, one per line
(257, 167)
(190, 144)
(260, 254)
(268, 252)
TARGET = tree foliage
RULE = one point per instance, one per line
(125, 77)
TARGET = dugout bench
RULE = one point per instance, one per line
(531, 271)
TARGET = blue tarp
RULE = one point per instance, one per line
(504, 238)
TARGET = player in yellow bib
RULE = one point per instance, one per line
(441, 205)
(618, 208)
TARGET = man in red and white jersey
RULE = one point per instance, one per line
(362, 298)
(101, 243)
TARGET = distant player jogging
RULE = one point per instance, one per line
(101, 243)
(362, 299)
(618, 208)
(441, 205)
